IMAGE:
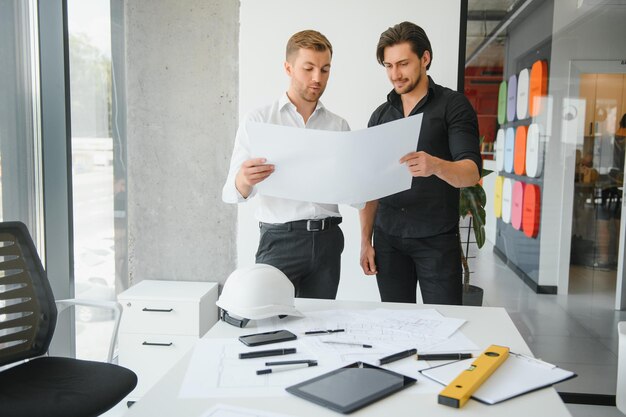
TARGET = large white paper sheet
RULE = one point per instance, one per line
(388, 331)
(223, 410)
(335, 167)
(216, 371)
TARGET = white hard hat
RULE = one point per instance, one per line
(256, 292)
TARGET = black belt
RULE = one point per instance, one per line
(313, 225)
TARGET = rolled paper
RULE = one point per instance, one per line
(519, 159)
(532, 209)
(500, 150)
(509, 149)
(522, 94)
(497, 196)
(538, 86)
(507, 195)
(517, 204)
(534, 151)
(502, 97)
(511, 101)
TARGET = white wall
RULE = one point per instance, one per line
(357, 85)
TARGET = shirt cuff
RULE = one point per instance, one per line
(230, 194)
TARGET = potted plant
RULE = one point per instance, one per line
(472, 202)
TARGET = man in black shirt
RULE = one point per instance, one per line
(415, 232)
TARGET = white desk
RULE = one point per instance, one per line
(485, 326)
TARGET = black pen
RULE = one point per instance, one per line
(275, 363)
(285, 368)
(262, 353)
(325, 331)
(443, 356)
(397, 356)
(334, 342)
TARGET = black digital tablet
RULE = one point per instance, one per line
(352, 387)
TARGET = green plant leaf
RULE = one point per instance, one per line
(473, 201)
(472, 198)
(479, 228)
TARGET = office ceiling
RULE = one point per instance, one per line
(484, 16)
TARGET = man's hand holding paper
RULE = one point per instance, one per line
(335, 167)
(252, 172)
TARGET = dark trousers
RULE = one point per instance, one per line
(434, 261)
(311, 260)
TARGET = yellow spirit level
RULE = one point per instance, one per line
(461, 389)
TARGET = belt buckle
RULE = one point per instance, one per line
(309, 228)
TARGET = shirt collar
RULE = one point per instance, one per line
(284, 101)
(394, 98)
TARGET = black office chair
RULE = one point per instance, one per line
(43, 385)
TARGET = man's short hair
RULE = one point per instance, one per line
(308, 39)
(404, 32)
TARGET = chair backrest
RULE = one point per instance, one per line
(620, 392)
(27, 310)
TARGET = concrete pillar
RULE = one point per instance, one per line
(182, 115)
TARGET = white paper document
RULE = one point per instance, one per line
(516, 376)
(387, 331)
(324, 166)
(215, 370)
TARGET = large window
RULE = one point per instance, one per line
(97, 178)
(20, 145)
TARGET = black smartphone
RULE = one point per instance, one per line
(267, 338)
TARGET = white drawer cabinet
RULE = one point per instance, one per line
(162, 320)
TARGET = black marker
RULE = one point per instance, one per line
(275, 363)
(397, 356)
(262, 353)
(443, 356)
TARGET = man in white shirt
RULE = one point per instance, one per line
(302, 239)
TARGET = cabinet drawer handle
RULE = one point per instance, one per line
(157, 344)
(158, 310)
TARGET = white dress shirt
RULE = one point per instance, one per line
(273, 209)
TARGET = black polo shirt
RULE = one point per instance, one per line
(449, 131)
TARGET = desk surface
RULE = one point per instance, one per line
(485, 326)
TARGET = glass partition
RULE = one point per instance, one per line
(548, 81)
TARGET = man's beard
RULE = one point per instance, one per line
(409, 87)
(310, 96)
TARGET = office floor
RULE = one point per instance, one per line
(577, 332)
